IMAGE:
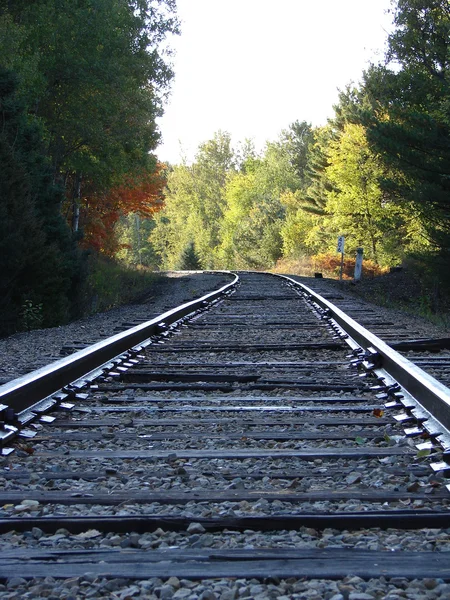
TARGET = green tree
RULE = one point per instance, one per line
(175, 224)
(189, 259)
(357, 206)
(38, 262)
(136, 250)
(254, 216)
(100, 84)
(240, 239)
(408, 122)
(304, 230)
(297, 141)
(194, 204)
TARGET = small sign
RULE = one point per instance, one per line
(340, 244)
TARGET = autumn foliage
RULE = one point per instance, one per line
(101, 211)
(330, 264)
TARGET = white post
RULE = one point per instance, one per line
(340, 248)
(358, 263)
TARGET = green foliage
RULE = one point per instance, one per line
(38, 261)
(13, 35)
(357, 205)
(189, 260)
(93, 73)
(421, 41)
(254, 214)
(136, 250)
(429, 272)
(31, 316)
(110, 284)
(316, 183)
(270, 207)
(194, 204)
(303, 231)
(378, 172)
(298, 140)
(343, 193)
(92, 80)
(102, 70)
(408, 118)
(77, 118)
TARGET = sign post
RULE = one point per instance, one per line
(340, 248)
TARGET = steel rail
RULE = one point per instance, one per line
(428, 391)
(21, 393)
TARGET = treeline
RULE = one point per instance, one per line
(81, 84)
(378, 172)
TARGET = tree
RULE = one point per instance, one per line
(298, 140)
(408, 119)
(141, 195)
(135, 249)
(194, 204)
(357, 206)
(102, 78)
(189, 260)
(304, 230)
(213, 166)
(229, 204)
(254, 215)
(38, 262)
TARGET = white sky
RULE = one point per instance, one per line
(252, 67)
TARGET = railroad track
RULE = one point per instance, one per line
(253, 449)
(430, 354)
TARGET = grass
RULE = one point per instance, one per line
(111, 284)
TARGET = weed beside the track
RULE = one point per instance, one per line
(111, 284)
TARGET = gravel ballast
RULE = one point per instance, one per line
(46, 465)
(349, 588)
(27, 351)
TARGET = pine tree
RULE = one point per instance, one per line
(38, 261)
(189, 260)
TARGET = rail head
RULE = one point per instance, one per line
(21, 393)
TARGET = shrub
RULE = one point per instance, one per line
(328, 264)
(109, 284)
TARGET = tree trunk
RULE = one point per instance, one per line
(76, 201)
